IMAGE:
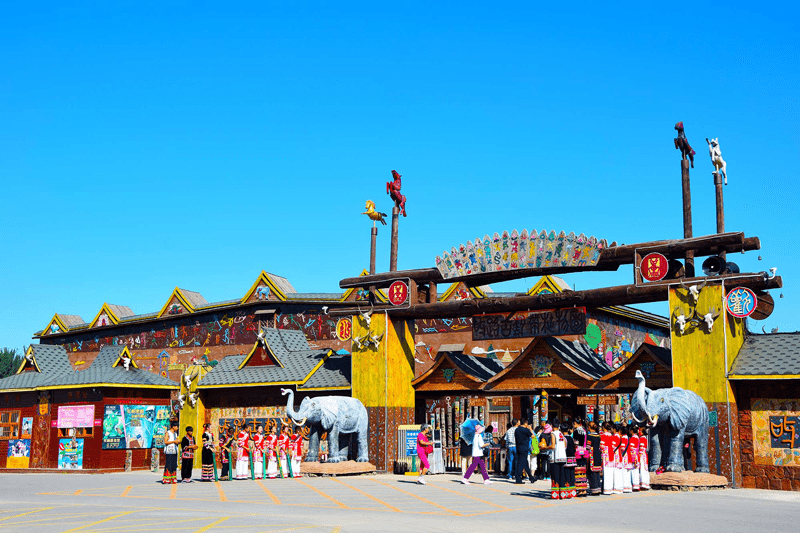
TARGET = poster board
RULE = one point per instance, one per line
(27, 427)
(70, 454)
(135, 426)
(75, 416)
(19, 453)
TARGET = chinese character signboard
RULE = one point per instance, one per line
(134, 426)
(557, 322)
(344, 329)
(75, 416)
(654, 267)
(741, 302)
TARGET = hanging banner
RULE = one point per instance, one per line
(135, 426)
(70, 454)
(75, 416)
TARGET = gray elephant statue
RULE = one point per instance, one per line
(338, 416)
(672, 414)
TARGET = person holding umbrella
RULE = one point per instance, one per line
(476, 428)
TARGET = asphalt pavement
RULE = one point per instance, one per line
(138, 502)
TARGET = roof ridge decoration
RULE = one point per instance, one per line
(123, 354)
(363, 294)
(180, 302)
(520, 250)
(61, 323)
(106, 316)
(441, 357)
(268, 353)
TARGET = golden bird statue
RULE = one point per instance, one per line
(375, 216)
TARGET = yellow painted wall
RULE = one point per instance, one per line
(369, 370)
(698, 357)
(401, 363)
(193, 416)
(382, 377)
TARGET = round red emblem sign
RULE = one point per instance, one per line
(398, 293)
(654, 267)
(344, 328)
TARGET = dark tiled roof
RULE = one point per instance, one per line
(482, 368)
(580, 357)
(289, 346)
(772, 354)
(56, 371)
(334, 373)
(664, 355)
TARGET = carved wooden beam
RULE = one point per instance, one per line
(604, 297)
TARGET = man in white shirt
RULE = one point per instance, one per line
(511, 445)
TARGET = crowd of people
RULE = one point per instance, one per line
(578, 459)
(242, 453)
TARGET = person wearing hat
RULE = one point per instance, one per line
(477, 457)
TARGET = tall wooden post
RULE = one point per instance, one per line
(395, 223)
(372, 248)
(720, 206)
(687, 216)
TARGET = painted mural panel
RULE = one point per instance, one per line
(776, 431)
(616, 339)
(442, 325)
(135, 426)
(315, 326)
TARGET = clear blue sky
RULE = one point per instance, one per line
(147, 145)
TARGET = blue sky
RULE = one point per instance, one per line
(145, 146)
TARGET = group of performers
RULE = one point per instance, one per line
(624, 459)
(247, 454)
(589, 462)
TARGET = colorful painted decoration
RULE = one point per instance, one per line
(647, 368)
(449, 374)
(741, 302)
(398, 293)
(654, 267)
(542, 366)
(344, 329)
(515, 250)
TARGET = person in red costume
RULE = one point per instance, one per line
(633, 459)
(608, 459)
(296, 444)
(283, 446)
(271, 443)
(258, 452)
(243, 452)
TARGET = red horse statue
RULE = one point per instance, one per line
(393, 190)
(682, 144)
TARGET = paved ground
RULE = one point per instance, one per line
(118, 503)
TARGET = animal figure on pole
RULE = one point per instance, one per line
(375, 216)
(682, 144)
(716, 157)
(393, 190)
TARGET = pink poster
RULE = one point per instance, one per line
(75, 416)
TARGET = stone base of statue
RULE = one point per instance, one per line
(345, 468)
(687, 481)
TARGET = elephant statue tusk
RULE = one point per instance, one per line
(301, 422)
(634, 417)
(653, 420)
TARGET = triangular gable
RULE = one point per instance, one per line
(128, 354)
(55, 326)
(104, 317)
(460, 291)
(261, 355)
(521, 374)
(445, 374)
(33, 366)
(264, 288)
(657, 371)
(361, 294)
(177, 304)
(548, 285)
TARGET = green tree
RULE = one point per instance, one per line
(9, 361)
